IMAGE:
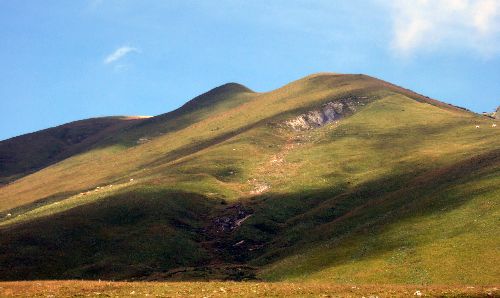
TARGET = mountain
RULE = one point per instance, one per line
(338, 178)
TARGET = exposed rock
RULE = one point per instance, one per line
(143, 140)
(234, 216)
(239, 243)
(259, 186)
(328, 113)
(495, 114)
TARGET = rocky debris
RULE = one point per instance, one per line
(240, 221)
(494, 115)
(328, 113)
(259, 186)
(143, 140)
(239, 243)
(233, 217)
(276, 163)
(256, 247)
(222, 238)
(277, 159)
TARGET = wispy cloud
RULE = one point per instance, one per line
(431, 24)
(119, 54)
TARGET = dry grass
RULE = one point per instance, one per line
(73, 288)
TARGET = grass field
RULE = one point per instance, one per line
(231, 289)
(400, 190)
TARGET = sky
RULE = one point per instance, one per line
(62, 61)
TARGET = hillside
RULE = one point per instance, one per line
(338, 178)
(30, 152)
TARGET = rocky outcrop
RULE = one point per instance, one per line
(231, 219)
(329, 112)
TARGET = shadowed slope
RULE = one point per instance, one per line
(130, 234)
(438, 227)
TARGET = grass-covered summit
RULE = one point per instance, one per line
(333, 177)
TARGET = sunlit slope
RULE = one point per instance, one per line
(119, 161)
(418, 203)
(402, 190)
(30, 152)
(69, 176)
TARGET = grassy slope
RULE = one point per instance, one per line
(130, 234)
(117, 156)
(371, 196)
(30, 152)
(117, 162)
(364, 200)
(444, 233)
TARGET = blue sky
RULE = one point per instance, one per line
(67, 60)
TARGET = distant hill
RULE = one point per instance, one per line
(333, 177)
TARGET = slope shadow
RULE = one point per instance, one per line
(125, 236)
(370, 208)
(154, 233)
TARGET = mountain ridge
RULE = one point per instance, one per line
(59, 142)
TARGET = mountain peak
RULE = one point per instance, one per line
(231, 87)
(223, 92)
(321, 74)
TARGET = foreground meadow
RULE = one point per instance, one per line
(71, 288)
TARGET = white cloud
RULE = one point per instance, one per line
(433, 24)
(119, 54)
(484, 16)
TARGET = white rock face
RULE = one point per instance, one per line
(329, 112)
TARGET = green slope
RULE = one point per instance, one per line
(27, 153)
(398, 188)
